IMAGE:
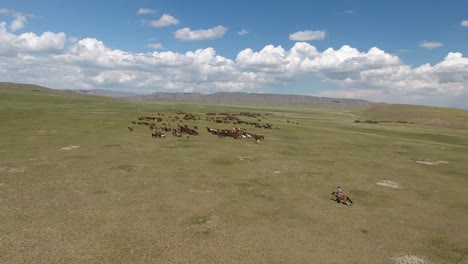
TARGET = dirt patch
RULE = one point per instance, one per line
(390, 184)
(431, 163)
(409, 259)
(200, 191)
(12, 170)
(245, 158)
(70, 147)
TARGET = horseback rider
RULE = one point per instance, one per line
(339, 193)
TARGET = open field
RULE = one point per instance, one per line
(423, 115)
(76, 186)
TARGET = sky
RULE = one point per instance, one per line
(409, 52)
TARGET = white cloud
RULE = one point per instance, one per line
(113, 77)
(430, 45)
(11, 44)
(243, 32)
(196, 35)
(157, 46)
(19, 20)
(49, 59)
(146, 11)
(93, 52)
(307, 35)
(464, 23)
(164, 21)
(270, 58)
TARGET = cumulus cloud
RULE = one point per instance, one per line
(19, 20)
(49, 59)
(156, 46)
(187, 34)
(430, 45)
(307, 35)
(243, 32)
(47, 42)
(146, 11)
(464, 23)
(164, 21)
(113, 77)
(270, 58)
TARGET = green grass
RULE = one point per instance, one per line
(124, 197)
(423, 115)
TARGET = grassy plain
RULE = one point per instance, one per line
(122, 197)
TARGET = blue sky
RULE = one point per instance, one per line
(391, 51)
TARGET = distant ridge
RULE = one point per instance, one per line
(100, 92)
(224, 98)
(260, 99)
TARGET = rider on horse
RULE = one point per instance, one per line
(339, 193)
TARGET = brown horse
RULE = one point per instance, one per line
(344, 198)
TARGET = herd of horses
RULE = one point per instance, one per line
(160, 124)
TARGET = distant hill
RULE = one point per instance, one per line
(100, 92)
(26, 88)
(33, 93)
(423, 115)
(259, 99)
(239, 98)
(223, 98)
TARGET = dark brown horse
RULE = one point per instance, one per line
(344, 198)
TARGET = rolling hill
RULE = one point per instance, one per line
(422, 115)
(260, 99)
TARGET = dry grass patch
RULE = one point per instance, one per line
(409, 259)
(431, 163)
(390, 184)
(70, 147)
(12, 170)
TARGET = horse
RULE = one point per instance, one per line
(344, 198)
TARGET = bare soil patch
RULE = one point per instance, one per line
(390, 184)
(245, 158)
(12, 170)
(409, 259)
(70, 147)
(431, 163)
